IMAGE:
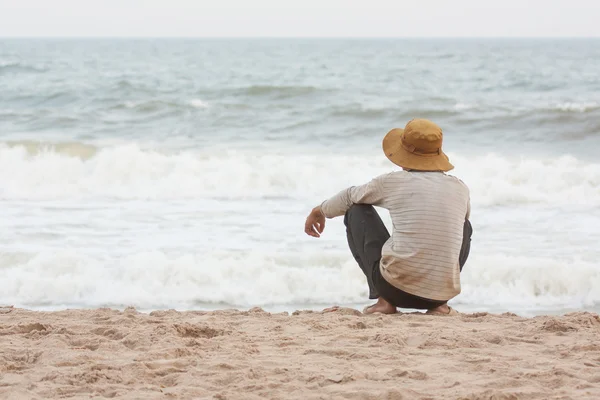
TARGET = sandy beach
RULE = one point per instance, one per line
(253, 354)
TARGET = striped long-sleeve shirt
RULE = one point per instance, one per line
(428, 211)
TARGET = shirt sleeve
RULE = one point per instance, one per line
(369, 193)
(468, 209)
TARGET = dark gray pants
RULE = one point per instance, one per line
(366, 237)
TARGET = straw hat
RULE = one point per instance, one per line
(417, 146)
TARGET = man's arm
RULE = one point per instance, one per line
(369, 193)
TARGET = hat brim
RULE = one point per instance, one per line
(396, 153)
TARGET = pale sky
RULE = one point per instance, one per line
(300, 18)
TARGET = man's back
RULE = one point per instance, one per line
(428, 211)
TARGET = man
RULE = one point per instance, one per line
(419, 265)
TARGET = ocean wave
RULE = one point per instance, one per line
(543, 109)
(509, 112)
(528, 281)
(157, 105)
(577, 107)
(52, 100)
(147, 106)
(427, 108)
(30, 170)
(36, 148)
(127, 86)
(198, 103)
(464, 106)
(365, 111)
(546, 109)
(155, 279)
(495, 112)
(359, 111)
(16, 67)
(279, 91)
(496, 180)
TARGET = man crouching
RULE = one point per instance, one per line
(419, 265)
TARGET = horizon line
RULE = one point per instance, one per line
(303, 37)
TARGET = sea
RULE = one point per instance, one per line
(177, 173)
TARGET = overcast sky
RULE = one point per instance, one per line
(304, 18)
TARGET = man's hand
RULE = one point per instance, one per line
(315, 222)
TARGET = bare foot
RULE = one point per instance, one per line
(381, 306)
(444, 309)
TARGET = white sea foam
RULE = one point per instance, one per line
(129, 172)
(197, 103)
(155, 279)
(521, 281)
(578, 106)
(68, 252)
(463, 106)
